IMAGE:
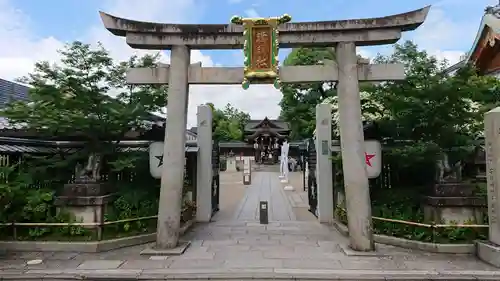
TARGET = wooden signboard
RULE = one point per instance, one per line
(261, 48)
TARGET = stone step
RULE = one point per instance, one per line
(243, 274)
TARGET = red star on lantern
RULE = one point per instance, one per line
(368, 157)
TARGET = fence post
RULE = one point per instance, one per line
(433, 227)
(100, 230)
(14, 231)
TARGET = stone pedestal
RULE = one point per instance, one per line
(231, 164)
(247, 171)
(453, 203)
(86, 201)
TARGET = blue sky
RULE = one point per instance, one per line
(34, 29)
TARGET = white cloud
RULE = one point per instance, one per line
(24, 49)
(20, 49)
(442, 35)
(441, 32)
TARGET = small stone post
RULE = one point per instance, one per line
(172, 180)
(489, 251)
(353, 151)
(204, 165)
(324, 162)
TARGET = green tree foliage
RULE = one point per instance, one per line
(229, 123)
(72, 98)
(430, 106)
(299, 100)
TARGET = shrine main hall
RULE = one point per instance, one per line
(262, 139)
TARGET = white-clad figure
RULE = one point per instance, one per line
(284, 160)
(288, 186)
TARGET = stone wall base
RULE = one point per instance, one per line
(83, 247)
(416, 245)
(488, 252)
(451, 210)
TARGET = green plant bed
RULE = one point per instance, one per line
(130, 204)
(445, 235)
(50, 234)
(78, 233)
(404, 205)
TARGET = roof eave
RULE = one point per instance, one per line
(404, 21)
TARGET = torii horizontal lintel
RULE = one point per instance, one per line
(288, 74)
(404, 22)
(364, 32)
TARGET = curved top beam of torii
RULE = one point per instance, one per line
(370, 31)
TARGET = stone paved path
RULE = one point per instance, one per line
(265, 186)
(237, 249)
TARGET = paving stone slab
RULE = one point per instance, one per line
(179, 250)
(12, 264)
(235, 250)
(187, 257)
(101, 264)
(349, 252)
(158, 258)
(197, 263)
(253, 263)
(255, 273)
(55, 264)
(209, 243)
(146, 264)
(311, 264)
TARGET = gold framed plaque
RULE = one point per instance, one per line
(260, 48)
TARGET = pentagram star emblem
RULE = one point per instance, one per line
(369, 157)
(160, 157)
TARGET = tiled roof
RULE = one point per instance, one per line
(279, 123)
(20, 145)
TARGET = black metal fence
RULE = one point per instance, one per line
(25, 153)
(312, 190)
(215, 177)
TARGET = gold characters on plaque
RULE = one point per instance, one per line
(261, 48)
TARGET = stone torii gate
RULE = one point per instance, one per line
(260, 39)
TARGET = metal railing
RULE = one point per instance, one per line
(433, 226)
(94, 225)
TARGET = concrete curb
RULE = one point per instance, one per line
(415, 245)
(243, 274)
(84, 247)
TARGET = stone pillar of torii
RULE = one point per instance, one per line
(260, 39)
